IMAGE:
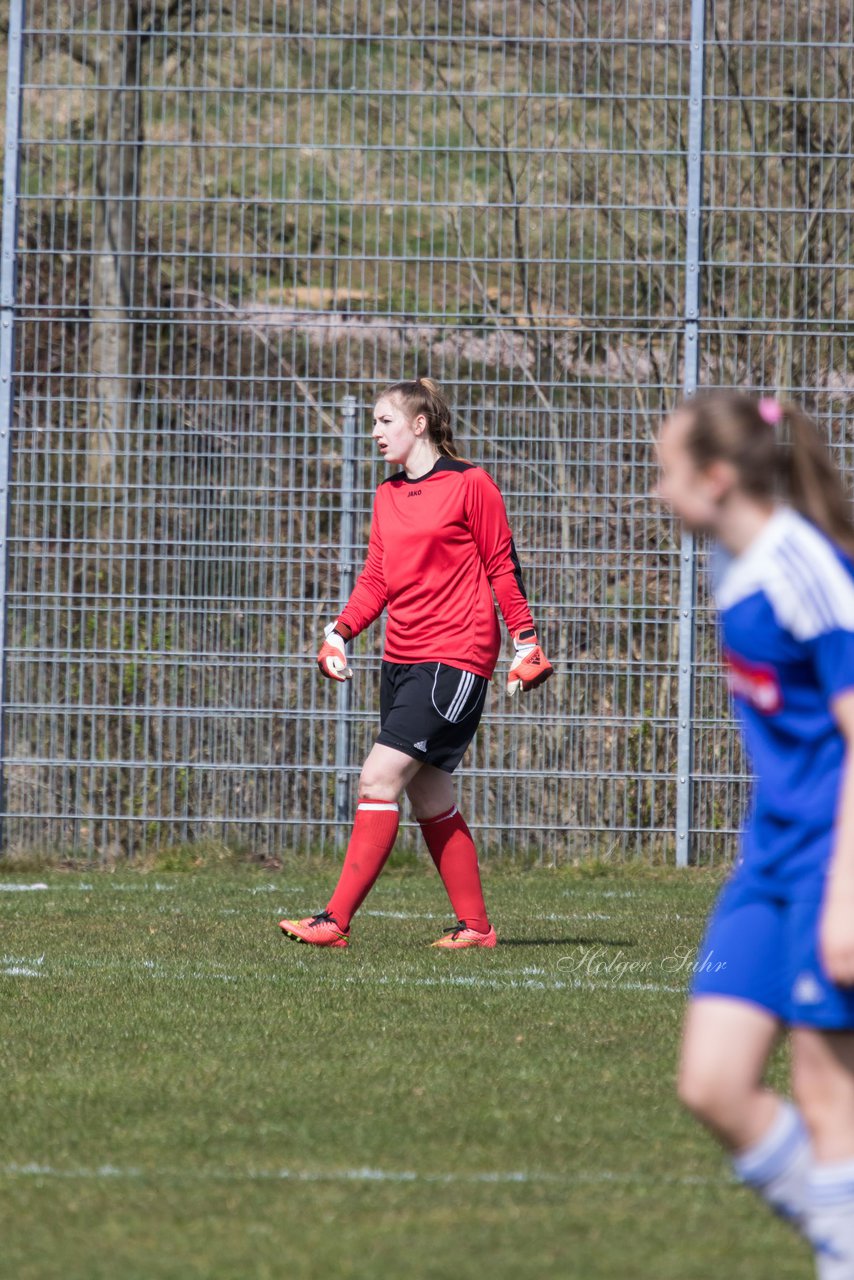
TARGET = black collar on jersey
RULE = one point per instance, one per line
(441, 464)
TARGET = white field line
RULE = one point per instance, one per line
(283, 911)
(447, 915)
(119, 887)
(134, 887)
(160, 887)
(21, 966)
(537, 915)
(530, 978)
(433, 915)
(143, 886)
(592, 1177)
(523, 984)
(405, 915)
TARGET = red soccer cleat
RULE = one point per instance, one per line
(459, 936)
(320, 930)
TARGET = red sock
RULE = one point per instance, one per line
(374, 834)
(452, 849)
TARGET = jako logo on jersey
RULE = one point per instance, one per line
(414, 493)
(755, 682)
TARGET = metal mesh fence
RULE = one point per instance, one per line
(778, 274)
(233, 217)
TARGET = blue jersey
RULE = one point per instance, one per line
(787, 620)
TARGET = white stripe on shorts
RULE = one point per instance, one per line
(463, 691)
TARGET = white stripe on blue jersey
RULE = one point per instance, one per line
(787, 624)
(799, 572)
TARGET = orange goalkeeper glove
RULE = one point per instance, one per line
(332, 658)
(530, 667)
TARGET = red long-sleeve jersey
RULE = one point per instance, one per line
(439, 547)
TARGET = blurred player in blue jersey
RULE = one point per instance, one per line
(779, 948)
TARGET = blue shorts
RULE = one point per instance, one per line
(761, 945)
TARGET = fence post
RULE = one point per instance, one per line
(343, 815)
(8, 262)
(687, 551)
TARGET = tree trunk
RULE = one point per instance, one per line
(118, 149)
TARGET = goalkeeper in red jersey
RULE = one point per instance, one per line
(440, 554)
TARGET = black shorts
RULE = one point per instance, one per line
(430, 711)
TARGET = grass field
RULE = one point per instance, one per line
(186, 1094)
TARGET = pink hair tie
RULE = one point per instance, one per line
(770, 411)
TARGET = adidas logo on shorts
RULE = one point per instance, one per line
(807, 989)
(420, 746)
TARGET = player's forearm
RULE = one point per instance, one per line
(841, 870)
(364, 607)
(513, 604)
